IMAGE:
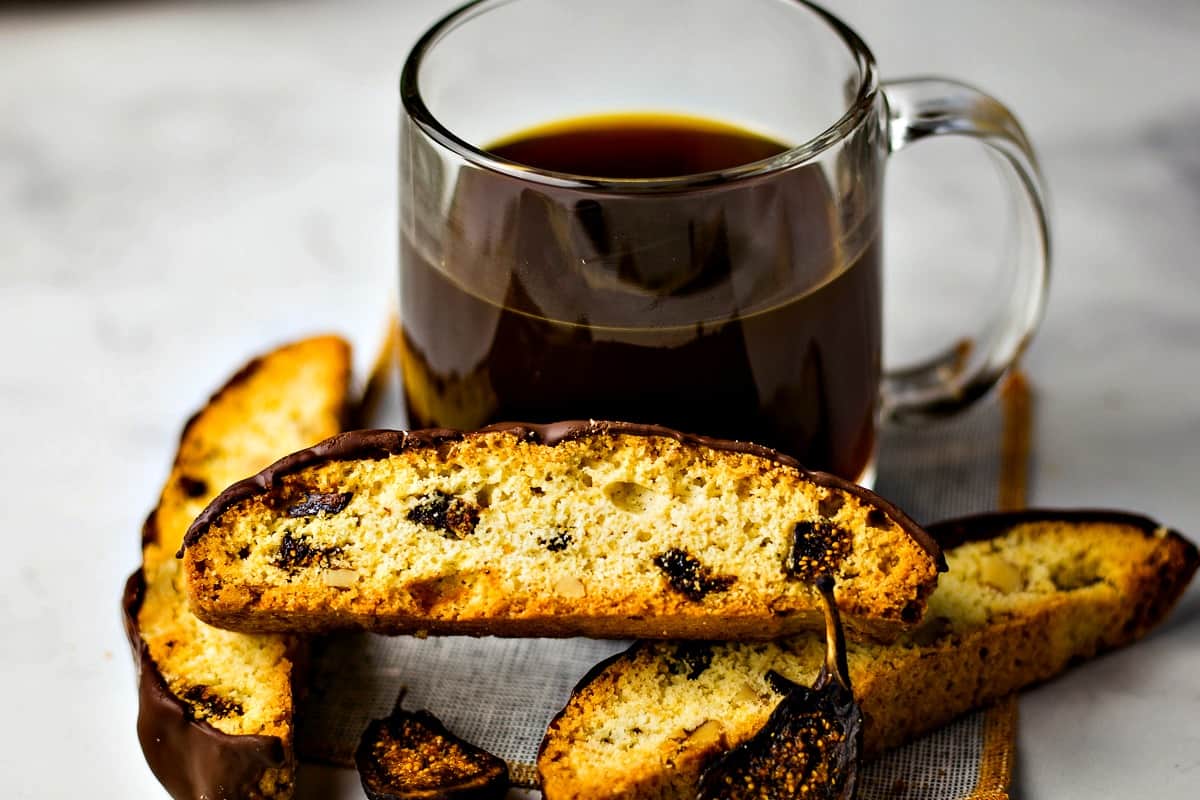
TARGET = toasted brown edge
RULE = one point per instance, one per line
(379, 444)
(190, 757)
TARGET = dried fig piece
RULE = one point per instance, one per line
(686, 575)
(411, 756)
(451, 516)
(811, 743)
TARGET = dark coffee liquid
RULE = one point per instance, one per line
(729, 310)
(637, 146)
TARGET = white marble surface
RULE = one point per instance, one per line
(181, 184)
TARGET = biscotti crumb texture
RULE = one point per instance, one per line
(216, 706)
(600, 529)
(1016, 608)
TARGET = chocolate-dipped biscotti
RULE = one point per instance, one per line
(1026, 595)
(215, 715)
(592, 528)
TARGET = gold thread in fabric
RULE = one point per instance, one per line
(522, 775)
(1016, 404)
(1000, 723)
(999, 745)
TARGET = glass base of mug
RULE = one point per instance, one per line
(866, 478)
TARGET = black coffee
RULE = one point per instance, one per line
(637, 146)
(728, 310)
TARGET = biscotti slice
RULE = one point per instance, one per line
(1026, 595)
(215, 715)
(600, 529)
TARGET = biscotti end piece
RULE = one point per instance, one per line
(598, 529)
(1026, 595)
(411, 756)
(292, 397)
(216, 707)
(189, 756)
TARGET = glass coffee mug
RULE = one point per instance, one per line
(669, 212)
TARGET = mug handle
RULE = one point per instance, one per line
(953, 380)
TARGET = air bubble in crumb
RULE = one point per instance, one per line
(631, 497)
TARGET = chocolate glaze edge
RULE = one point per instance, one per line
(247, 371)
(150, 530)
(378, 444)
(951, 533)
(191, 758)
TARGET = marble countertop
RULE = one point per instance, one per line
(183, 183)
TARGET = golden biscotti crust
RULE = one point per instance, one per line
(1026, 595)
(578, 528)
(215, 707)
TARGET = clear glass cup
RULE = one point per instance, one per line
(742, 303)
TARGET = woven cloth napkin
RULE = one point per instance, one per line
(501, 693)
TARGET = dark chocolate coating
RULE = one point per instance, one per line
(951, 533)
(379, 444)
(192, 759)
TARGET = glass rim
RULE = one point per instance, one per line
(415, 107)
